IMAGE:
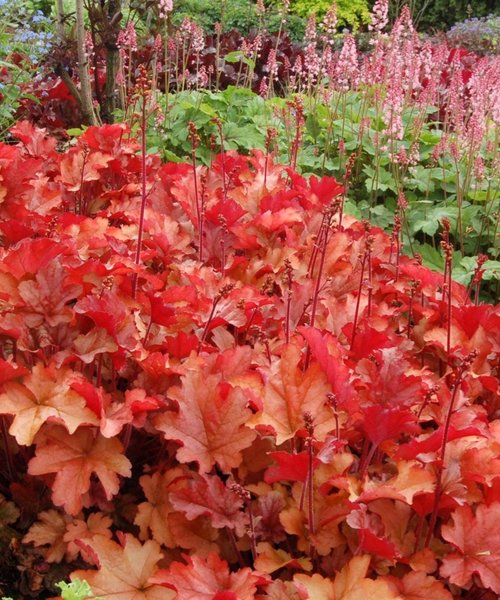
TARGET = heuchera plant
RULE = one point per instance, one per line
(270, 403)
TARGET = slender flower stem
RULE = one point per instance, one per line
(143, 82)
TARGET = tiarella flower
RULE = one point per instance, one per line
(272, 65)
(329, 24)
(198, 38)
(347, 69)
(379, 16)
(165, 7)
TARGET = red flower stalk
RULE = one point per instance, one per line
(309, 483)
(218, 124)
(477, 277)
(365, 260)
(297, 107)
(458, 378)
(224, 291)
(288, 282)
(194, 138)
(270, 137)
(143, 91)
(244, 494)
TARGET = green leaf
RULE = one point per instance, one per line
(75, 131)
(479, 195)
(238, 56)
(431, 257)
(76, 590)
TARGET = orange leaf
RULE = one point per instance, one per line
(49, 531)
(289, 393)
(478, 541)
(45, 394)
(168, 527)
(352, 584)
(78, 167)
(124, 570)
(80, 530)
(271, 559)
(74, 458)
(210, 423)
(411, 480)
(318, 587)
(419, 586)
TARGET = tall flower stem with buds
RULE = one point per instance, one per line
(365, 263)
(457, 378)
(143, 92)
(195, 140)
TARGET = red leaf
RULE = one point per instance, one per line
(291, 467)
(382, 424)
(203, 579)
(207, 495)
(477, 540)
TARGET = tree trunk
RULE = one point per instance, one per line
(85, 88)
(60, 21)
(111, 99)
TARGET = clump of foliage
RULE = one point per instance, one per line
(213, 380)
(480, 35)
(352, 14)
(439, 15)
(25, 37)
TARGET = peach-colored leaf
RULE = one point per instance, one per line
(49, 531)
(416, 585)
(270, 559)
(44, 395)
(208, 495)
(411, 480)
(352, 584)
(210, 423)
(80, 530)
(159, 518)
(74, 459)
(317, 587)
(289, 393)
(124, 570)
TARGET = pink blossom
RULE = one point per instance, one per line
(166, 7)
(263, 88)
(347, 67)
(329, 24)
(272, 65)
(198, 38)
(379, 17)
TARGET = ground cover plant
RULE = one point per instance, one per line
(215, 383)
(225, 371)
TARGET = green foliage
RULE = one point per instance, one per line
(440, 15)
(76, 590)
(479, 35)
(234, 14)
(434, 190)
(13, 74)
(351, 13)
